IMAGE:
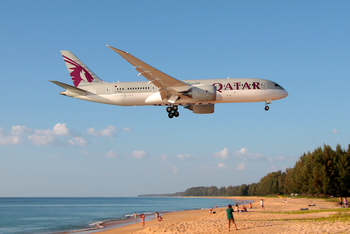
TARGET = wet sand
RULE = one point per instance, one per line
(254, 221)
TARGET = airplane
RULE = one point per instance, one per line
(199, 96)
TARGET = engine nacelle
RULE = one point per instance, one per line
(202, 93)
(201, 109)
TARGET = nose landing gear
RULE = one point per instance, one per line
(172, 111)
(267, 102)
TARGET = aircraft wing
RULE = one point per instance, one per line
(169, 87)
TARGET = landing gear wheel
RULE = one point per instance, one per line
(172, 111)
(169, 109)
(267, 108)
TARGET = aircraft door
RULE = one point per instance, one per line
(108, 90)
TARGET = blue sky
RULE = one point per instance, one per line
(51, 145)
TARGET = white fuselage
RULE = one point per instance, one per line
(145, 93)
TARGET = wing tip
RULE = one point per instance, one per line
(117, 50)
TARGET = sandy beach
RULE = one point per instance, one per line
(254, 221)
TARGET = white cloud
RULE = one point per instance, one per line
(222, 165)
(335, 131)
(240, 154)
(242, 151)
(43, 137)
(137, 154)
(223, 154)
(15, 137)
(107, 131)
(112, 154)
(164, 157)
(269, 159)
(79, 141)
(92, 132)
(20, 130)
(55, 136)
(127, 129)
(48, 136)
(36, 137)
(280, 158)
(60, 130)
(84, 152)
(169, 167)
(241, 166)
(184, 157)
(175, 169)
(9, 139)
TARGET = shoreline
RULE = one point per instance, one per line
(273, 219)
(169, 215)
(103, 225)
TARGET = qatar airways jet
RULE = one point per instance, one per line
(199, 96)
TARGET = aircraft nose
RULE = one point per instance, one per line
(280, 93)
(284, 93)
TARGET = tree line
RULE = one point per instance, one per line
(322, 173)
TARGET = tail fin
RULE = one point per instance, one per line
(81, 74)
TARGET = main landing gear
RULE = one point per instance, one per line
(172, 111)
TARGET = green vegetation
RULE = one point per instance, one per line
(322, 173)
(340, 215)
(310, 211)
(343, 216)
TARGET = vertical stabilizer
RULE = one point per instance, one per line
(81, 74)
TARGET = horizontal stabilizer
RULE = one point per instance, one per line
(70, 88)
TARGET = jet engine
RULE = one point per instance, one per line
(202, 93)
(201, 109)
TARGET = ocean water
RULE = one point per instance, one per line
(57, 215)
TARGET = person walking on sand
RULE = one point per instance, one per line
(142, 217)
(135, 217)
(229, 212)
(262, 203)
(345, 203)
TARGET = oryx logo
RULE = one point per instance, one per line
(77, 72)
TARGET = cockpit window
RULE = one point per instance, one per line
(278, 86)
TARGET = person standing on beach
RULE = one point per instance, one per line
(157, 216)
(135, 216)
(142, 217)
(229, 212)
(262, 204)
